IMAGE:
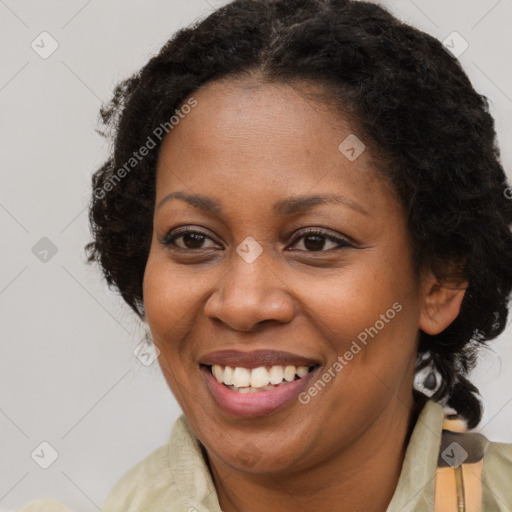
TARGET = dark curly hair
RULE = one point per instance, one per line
(429, 130)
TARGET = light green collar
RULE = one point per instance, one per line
(414, 492)
(416, 485)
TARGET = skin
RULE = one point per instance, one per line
(248, 144)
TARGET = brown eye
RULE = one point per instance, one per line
(315, 241)
(191, 239)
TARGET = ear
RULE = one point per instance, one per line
(441, 303)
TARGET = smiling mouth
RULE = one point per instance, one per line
(256, 380)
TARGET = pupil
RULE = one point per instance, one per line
(194, 238)
(318, 243)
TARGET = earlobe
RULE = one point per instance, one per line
(441, 305)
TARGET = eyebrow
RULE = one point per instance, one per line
(284, 207)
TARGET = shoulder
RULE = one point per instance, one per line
(497, 472)
(500, 453)
(149, 481)
(45, 505)
(170, 478)
(150, 485)
(472, 446)
(468, 448)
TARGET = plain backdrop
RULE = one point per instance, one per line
(68, 374)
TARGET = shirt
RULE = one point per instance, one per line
(176, 478)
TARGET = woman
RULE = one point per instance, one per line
(306, 205)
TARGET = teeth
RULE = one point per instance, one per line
(302, 371)
(228, 375)
(249, 380)
(241, 377)
(289, 373)
(217, 372)
(276, 375)
(259, 377)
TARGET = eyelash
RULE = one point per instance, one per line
(169, 239)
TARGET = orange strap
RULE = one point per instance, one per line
(459, 489)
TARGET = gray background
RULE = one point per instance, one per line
(68, 374)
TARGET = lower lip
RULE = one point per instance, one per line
(252, 405)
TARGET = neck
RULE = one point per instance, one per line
(378, 456)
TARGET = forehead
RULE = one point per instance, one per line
(249, 137)
(257, 113)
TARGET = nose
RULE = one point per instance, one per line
(250, 294)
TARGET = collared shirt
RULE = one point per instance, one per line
(176, 478)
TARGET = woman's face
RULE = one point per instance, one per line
(250, 280)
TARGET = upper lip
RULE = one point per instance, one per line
(255, 358)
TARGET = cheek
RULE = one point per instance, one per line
(368, 315)
(160, 297)
(168, 303)
(348, 302)
(169, 296)
(174, 296)
(165, 314)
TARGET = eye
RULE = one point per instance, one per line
(314, 240)
(191, 239)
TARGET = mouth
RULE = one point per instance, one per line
(257, 380)
(256, 384)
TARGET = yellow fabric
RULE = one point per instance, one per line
(446, 488)
(175, 478)
(473, 485)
